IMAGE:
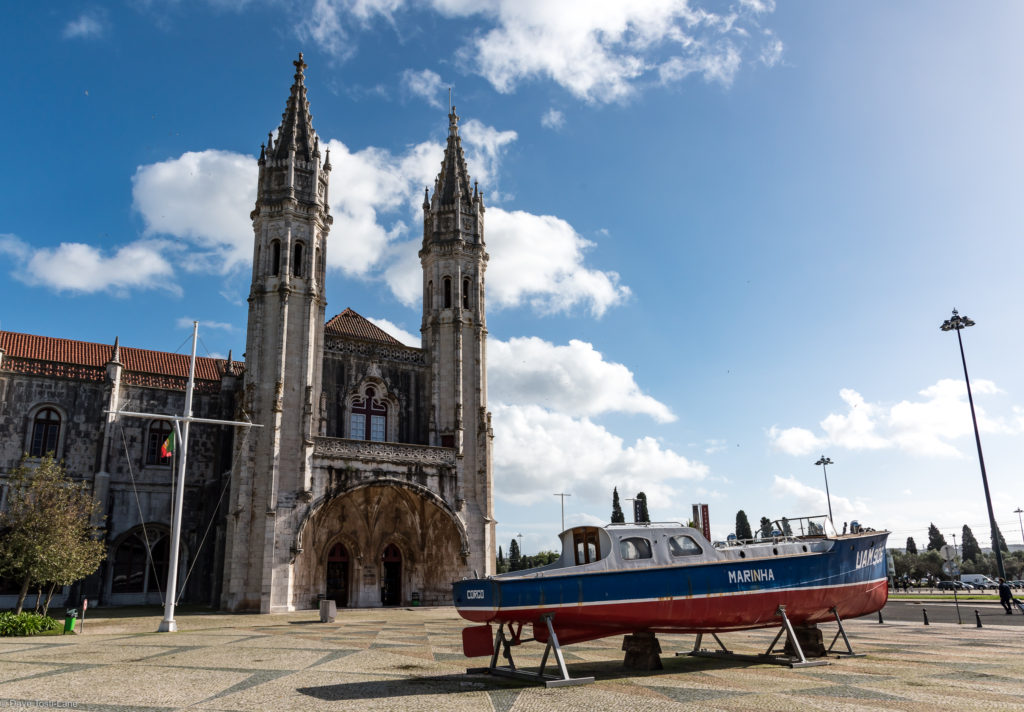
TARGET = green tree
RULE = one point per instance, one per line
(786, 528)
(50, 535)
(502, 565)
(935, 539)
(515, 561)
(642, 513)
(911, 546)
(765, 530)
(997, 536)
(617, 516)
(971, 550)
(743, 526)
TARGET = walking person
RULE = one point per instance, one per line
(1005, 596)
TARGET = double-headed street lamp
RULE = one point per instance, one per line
(958, 323)
(1017, 511)
(827, 461)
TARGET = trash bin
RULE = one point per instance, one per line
(415, 598)
(70, 616)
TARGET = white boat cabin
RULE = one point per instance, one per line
(625, 546)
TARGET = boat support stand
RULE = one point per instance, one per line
(768, 656)
(504, 645)
(842, 631)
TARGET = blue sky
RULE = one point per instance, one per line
(722, 235)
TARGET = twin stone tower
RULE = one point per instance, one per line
(370, 482)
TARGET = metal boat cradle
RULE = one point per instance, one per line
(663, 577)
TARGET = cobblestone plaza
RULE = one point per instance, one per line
(411, 659)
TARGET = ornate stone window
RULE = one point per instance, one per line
(466, 286)
(297, 261)
(45, 435)
(275, 257)
(447, 292)
(158, 432)
(368, 416)
(430, 294)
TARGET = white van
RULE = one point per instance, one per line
(979, 579)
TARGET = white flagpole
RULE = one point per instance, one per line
(168, 624)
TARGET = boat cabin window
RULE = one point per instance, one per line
(586, 544)
(683, 545)
(634, 547)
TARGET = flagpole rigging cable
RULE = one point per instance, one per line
(168, 624)
(142, 519)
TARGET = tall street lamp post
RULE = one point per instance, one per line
(827, 461)
(1017, 511)
(958, 323)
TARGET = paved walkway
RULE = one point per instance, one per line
(411, 659)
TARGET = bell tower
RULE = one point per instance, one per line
(454, 331)
(272, 472)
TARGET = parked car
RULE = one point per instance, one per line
(951, 585)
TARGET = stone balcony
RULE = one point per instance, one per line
(398, 453)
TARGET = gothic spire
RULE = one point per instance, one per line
(296, 131)
(453, 180)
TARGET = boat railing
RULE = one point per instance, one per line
(815, 526)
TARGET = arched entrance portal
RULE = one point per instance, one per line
(391, 584)
(337, 574)
(398, 543)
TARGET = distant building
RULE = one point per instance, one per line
(370, 481)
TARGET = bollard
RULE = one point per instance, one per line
(925, 612)
(880, 621)
(977, 617)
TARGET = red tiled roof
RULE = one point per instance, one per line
(348, 323)
(45, 355)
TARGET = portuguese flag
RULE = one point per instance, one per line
(167, 449)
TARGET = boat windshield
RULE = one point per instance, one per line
(683, 545)
(634, 547)
(587, 544)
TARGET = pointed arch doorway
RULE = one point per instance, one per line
(337, 575)
(391, 583)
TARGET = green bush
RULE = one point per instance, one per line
(25, 623)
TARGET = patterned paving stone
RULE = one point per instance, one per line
(412, 660)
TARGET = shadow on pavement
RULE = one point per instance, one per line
(462, 683)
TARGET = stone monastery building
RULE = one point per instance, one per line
(370, 481)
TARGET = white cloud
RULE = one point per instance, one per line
(425, 84)
(538, 260)
(598, 51)
(795, 441)
(811, 501)
(552, 119)
(77, 267)
(574, 379)
(536, 447)
(925, 428)
(185, 322)
(204, 197)
(601, 51)
(406, 337)
(87, 26)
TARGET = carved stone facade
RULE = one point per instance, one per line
(369, 482)
(54, 397)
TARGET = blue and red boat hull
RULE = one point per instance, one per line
(716, 596)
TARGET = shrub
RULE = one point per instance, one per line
(25, 623)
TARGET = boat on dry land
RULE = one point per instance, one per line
(648, 578)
